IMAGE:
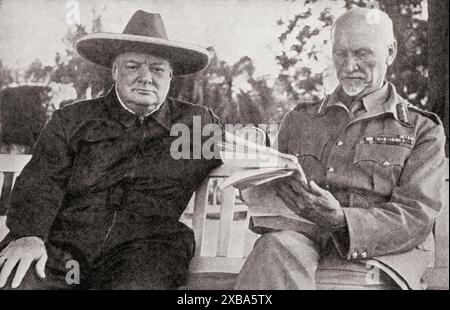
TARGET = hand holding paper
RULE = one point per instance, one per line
(256, 170)
(311, 202)
(269, 213)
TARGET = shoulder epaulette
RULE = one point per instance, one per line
(306, 104)
(434, 117)
(402, 112)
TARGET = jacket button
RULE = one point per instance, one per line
(326, 186)
(330, 169)
(339, 143)
(355, 255)
(129, 175)
(386, 163)
(364, 255)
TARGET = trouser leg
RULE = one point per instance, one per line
(281, 260)
(142, 264)
(289, 260)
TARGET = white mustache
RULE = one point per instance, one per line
(352, 77)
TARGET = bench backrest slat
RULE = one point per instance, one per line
(226, 221)
(199, 214)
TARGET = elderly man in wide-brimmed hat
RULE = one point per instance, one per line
(99, 202)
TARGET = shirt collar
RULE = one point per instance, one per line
(163, 115)
(128, 117)
(383, 99)
(376, 98)
(121, 102)
(392, 102)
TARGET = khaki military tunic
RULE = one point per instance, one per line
(385, 165)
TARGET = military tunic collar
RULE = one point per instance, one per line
(384, 100)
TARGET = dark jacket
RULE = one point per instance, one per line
(100, 176)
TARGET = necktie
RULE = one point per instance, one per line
(356, 108)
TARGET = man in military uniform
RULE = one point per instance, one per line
(375, 166)
(102, 194)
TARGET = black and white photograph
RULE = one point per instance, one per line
(242, 146)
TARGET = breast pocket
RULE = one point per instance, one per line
(100, 147)
(95, 136)
(377, 167)
(97, 148)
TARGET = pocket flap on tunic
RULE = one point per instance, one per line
(382, 154)
(311, 148)
(96, 130)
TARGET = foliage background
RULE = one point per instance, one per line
(232, 90)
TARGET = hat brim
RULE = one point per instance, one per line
(103, 48)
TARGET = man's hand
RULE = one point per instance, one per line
(22, 251)
(311, 202)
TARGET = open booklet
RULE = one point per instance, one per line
(253, 167)
(253, 164)
(268, 213)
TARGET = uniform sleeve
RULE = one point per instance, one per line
(407, 219)
(40, 188)
(282, 139)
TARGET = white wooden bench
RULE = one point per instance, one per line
(218, 271)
